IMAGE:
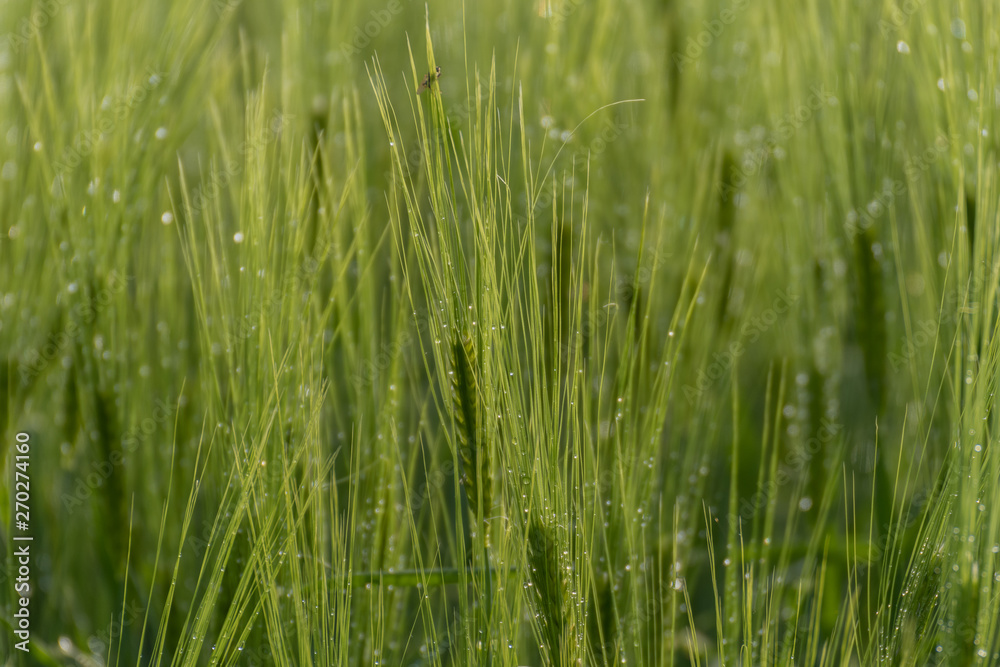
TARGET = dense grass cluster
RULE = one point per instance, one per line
(652, 332)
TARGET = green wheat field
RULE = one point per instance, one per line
(543, 333)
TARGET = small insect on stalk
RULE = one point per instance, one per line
(429, 80)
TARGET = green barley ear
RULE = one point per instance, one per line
(475, 456)
(601, 627)
(547, 580)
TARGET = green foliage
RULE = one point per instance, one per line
(648, 333)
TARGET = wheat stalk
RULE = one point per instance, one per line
(547, 580)
(467, 413)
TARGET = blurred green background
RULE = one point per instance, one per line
(729, 269)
